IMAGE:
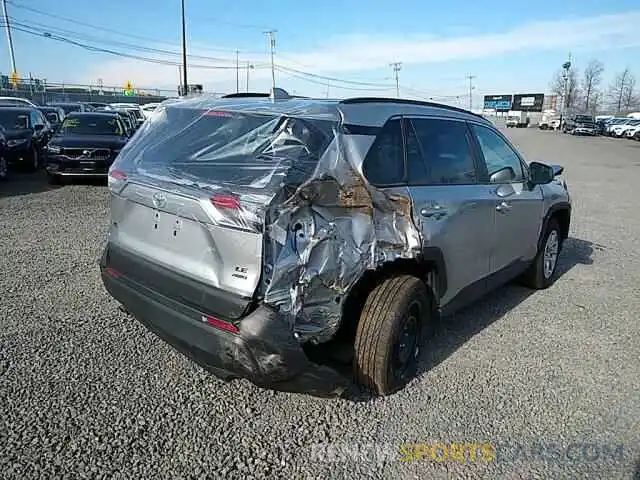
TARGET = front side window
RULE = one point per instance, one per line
(384, 164)
(14, 120)
(439, 153)
(498, 155)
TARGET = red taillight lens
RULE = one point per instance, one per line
(231, 202)
(220, 324)
(118, 174)
(112, 272)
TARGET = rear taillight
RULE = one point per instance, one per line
(116, 180)
(220, 324)
(118, 175)
(230, 202)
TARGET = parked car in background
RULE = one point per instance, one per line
(613, 122)
(584, 125)
(133, 109)
(97, 105)
(16, 101)
(243, 231)
(54, 115)
(619, 130)
(129, 125)
(632, 130)
(27, 132)
(69, 107)
(4, 164)
(85, 145)
(148, 108)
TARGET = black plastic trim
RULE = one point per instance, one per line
(434, 255)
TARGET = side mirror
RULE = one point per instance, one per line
(504, 175)
(540, 174)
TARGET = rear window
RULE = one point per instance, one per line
(91, 126)
(241, 149)
(14, 120)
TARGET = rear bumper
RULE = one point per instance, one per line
(263, 351)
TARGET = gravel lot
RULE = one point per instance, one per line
(86, 392)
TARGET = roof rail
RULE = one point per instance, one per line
(357, 100)
(246, 95)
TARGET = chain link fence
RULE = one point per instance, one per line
(43, 92)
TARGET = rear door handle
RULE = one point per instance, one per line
(503, 207)
(433, 212)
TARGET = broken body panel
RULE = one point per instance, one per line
(268, 204)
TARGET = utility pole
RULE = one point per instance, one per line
(249, 67)
(272, 45)
(328, 86)
(471, 77)
(397, 66)
(9, 40)
(184, 53)
(566, 66)
(237, 72)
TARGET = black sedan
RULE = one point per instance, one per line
(26, 132)
(55, 116)
(85, 146)
(69, 107)
(4, 167)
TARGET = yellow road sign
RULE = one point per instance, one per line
(14, 79)
(128, 86)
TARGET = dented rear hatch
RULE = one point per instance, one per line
(192, 192)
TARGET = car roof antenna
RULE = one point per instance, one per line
(279, 94)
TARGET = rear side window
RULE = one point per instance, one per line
(384, 164)
(439, 153)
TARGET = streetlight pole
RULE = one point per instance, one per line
(184, 53)
(272, 45)
(566, 66)
(237, 72)
(471, 77)
(9, 39)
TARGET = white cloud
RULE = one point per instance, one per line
(346, 56)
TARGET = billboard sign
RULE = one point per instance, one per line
(528, 102)
(499, 103)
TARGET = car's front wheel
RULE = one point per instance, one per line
(4, 169)
(540, 273)
(395, 319)
(35, 160)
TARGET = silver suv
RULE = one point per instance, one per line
(251, 232)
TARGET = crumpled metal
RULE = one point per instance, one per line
(322, 230)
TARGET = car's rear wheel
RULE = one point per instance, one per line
(541, 272)
(395, 319)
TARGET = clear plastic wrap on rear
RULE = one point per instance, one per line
(285, 170)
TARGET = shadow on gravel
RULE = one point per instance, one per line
(20, 183)
(453, 331)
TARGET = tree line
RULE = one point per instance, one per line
(584, 90)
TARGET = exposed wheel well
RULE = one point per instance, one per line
(563, 217)
(424, 269)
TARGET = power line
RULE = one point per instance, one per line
(114, 31)
(158, 61)
(324, 83)
(333, 79)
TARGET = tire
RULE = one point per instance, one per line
(537, 276)
(35, 160)
(4, 169)
(400, 308)
(54, 179)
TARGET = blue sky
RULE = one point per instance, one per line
(508, 48)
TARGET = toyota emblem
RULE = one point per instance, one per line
(159, 200)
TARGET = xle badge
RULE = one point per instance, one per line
(240, 272)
